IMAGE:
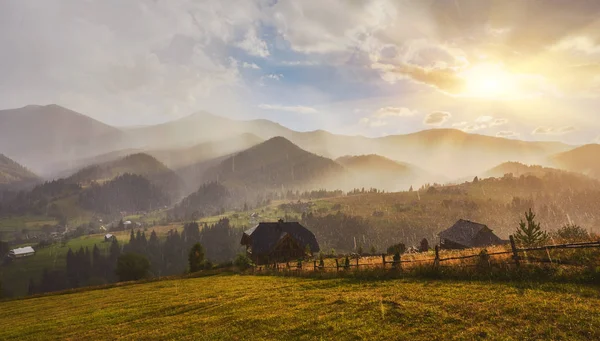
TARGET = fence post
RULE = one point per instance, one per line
(383, 259)
(337, 265)
(357, 262)
(514, 250)
(400, 262)
(315, 265)
(436, 261)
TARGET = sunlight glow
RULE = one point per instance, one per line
(489, 81)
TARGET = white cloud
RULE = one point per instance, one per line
(274, 76)
(553, 130)
(437, 118)
(297, 108)
(247, 65)
(459, 124)
(474, 127)
(578, 44)
(507, 134)
(373, 122)
(498, 122)
(484, 119)
(394, 112)
(254, 45)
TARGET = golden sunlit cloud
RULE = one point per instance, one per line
(489, 81)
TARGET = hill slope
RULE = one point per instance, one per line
(379, 172)
(275, 163)
(13, 175)
(517, 169)
(140, 164)
(273, 307)
(585, 160)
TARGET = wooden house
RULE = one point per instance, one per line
(270, 242)
(467, 234)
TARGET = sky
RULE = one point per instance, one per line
(516, 69)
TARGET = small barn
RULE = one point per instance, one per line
(108, 237)
(21, 252)
(270, 242)
(467, 234)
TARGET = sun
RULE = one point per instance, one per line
(488, 81)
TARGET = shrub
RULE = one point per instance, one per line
(242, 262)
(399, 248)
(572, 233)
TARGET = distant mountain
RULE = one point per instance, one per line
(15, 176)
(517, 169)
(276, 163)
(140, 164)
(47, 138)
(176, 158)
(380, 172)
(51, 138)
(585, 160)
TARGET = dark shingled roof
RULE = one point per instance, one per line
(264, 236)
(463, 232)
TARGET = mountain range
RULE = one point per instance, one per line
(14, 175)
(54, 141)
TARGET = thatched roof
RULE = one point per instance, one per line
(463, 232)
(264, 236)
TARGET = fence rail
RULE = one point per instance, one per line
(401, 260)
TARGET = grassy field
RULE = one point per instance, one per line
(234, 307)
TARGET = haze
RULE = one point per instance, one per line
(516, 69)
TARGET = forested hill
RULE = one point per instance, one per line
(275, 163)
(142, 164)
(15, 176)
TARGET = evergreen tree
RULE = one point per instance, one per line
(132, 267)
(31, 289)
(196, 257)
(155, 254)
(529, 233)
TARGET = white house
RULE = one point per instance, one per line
(127, 223)
(108, 237)
(21, 252)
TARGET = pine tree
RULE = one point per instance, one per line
(530, 233)
(196, 258)
(31, 289)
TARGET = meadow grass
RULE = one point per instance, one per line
(238, 307)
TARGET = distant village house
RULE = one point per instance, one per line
(467, 234)
(280, 241)
(108, 237)
(21, 252)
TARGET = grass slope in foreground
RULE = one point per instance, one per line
(232, 307)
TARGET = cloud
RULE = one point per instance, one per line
(474, 127)
(275, 76)
(498, 122)
(247, 65)
(373, 122)
(484, 119)
(437, 118)
(507, 134)
(393, 112)
(297, 108)
(254, 45)
(580, 44)
(553, 130)
(444, 79)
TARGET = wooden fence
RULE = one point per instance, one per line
(514, 255)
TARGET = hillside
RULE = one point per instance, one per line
(47, 138)
(380, 172)
(517, 169)
(231, 307)
(15, 176)
(141, 164)
(585, 160)
(276, 163)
